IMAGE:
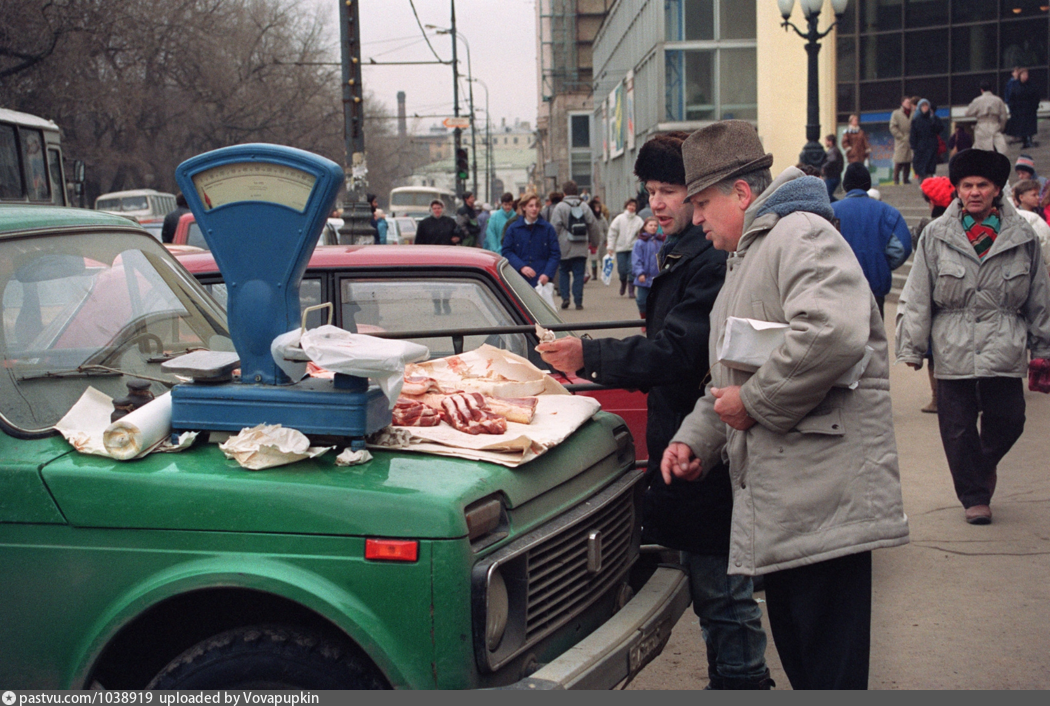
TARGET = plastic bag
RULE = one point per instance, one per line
(546, 291)
(607, 268)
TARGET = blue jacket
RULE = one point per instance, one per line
(494, 229)
(535, 246)
(643, 258)
(878, 235)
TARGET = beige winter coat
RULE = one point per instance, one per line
(900, 128)
(816, 477)
(623, 231)
(983, 316)
(991, 115)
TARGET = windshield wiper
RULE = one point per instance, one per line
(86, 371)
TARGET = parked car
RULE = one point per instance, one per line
(186, 571)
(376, 288)
(405, 228)
(189, 233)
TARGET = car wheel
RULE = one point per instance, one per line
(268, 657)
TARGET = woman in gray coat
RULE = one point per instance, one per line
(979, 291)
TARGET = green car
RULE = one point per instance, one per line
(185, 571)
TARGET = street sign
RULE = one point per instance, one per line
(454, 122)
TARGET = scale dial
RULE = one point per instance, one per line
(254, 181)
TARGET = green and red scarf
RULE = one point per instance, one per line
(982, 234)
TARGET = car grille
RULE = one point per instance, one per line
(559, 582)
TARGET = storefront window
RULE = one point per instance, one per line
(974, 47)
(880, 56)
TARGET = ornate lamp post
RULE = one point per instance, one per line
(812, 153)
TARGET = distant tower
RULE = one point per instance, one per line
(402, 125)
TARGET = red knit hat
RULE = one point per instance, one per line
(938, 190)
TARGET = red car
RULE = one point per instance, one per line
(189, 233)
(431, 288)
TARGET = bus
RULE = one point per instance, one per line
(415, 201)
(30, 160)
(146, 206)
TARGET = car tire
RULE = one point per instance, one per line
(268, 657)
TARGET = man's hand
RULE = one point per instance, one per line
(679, 462)
(730, 408)
(544, 279)
(565, 354)
(528, 272)
(914, 366)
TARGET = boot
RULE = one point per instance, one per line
(630, 289)
(623, 286)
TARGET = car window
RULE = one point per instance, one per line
(196, 237)
(539, 309)
(309, 295)
(371, 305)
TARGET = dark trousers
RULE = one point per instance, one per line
(901, 168)
(973, 456)
(833, 184)
(574, 266)
(820, 617)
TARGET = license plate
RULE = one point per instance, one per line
(649, 645)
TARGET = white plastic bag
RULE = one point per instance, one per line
(607, 268)
(546, 291)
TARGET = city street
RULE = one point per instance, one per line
(961, 606)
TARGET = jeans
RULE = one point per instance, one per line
(575, 265)
(623, 266)
(641, 296)
(833, 185)
(730, 619)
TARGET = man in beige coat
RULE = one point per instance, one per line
(900, 128)
(991, 115)
(813, 464)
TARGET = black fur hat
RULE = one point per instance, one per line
(660, 159)
(991, 165)
(857, 176)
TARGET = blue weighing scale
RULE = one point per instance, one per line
(261, 209)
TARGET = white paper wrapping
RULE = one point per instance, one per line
(269, 445)
(749, 343)
(490, 371)
(140, 430)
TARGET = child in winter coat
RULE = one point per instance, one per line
(643, 260)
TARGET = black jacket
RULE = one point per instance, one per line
(671, 362)
(925, 127)
(436, 231)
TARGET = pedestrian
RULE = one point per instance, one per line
(577, 230)
(1026, 200)
(553, 199)
(938, 193)
(483, 221)
(1025, 168)
(670, 361)
(171, 220)
(991, 114)
(900, 128)
(623, 231)
(1024, 103)
(601, 214)
(855, 141)
(832, 167)
(494, 227)
(959, 140)
(813, 465)
(644, 264)
(925, 129)
(437, 228)
(381, 226)
(373, 204)
(467, 221)
(531, 245)
(875, 231)
(979, 294)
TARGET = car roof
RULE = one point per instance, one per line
(365, 256)
(26, 217)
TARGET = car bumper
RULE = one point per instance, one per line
(628, 641)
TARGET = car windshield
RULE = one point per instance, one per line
(93, 309)
(540, 310)
(126, 203)
(196, 238)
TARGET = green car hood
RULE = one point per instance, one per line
(396, 494)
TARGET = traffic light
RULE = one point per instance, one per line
(462, 164)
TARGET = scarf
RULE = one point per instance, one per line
(982, 234)
(805, 193)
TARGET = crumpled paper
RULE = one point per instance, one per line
(349, 457)
(268, 446)
(332, 348)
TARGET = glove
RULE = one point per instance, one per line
(1039, 375)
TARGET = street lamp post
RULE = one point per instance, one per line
(470, 94)
(488, 144)
(812, 154)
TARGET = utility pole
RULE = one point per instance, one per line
(356, 167)
(457, 132)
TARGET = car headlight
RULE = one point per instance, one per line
(497, 609)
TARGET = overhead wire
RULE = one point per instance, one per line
(421, 29)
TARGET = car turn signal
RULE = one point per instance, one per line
(391, 549)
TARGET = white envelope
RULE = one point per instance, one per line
(749, 343)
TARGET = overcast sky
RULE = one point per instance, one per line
(502, 39)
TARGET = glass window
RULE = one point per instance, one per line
(1023, 43)
(846, 58)
(738, 78)
(736, 20)
(689, 20)
(973, 10)
(966, 87)
(33, 156)
(580, 168)
(925, 13)
(846, 98)
(1023, 8)
(54, 170)
(10, 179)
(880, 15)
(924, 52)
(848, 23)
(881, 95)
(413, 304)
(880, 56)
(580, 128)
(974, 48)
(934, 89)
(195, 237)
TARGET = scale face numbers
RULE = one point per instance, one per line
(254, 181)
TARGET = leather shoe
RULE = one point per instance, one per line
(564, 303)
(979, 515)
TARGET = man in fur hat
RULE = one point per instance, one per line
(670, 362)
(813, 463)
(979, 292)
